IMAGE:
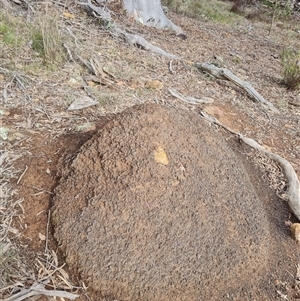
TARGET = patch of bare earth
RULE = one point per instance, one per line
(45, 134)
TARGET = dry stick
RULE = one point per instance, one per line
(21, 176)
(189, 99)
(273, 16)
(47, 232)
(293, 191)
(170, 67)
(71, 59)
(29, 6)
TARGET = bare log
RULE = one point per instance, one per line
(5, 4)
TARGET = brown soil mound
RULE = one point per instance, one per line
(156, 206)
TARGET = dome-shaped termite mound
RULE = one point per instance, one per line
(157, 206)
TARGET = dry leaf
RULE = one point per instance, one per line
(68, 15)
(42, 236)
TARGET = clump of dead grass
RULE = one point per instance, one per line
(28, 44)
(291, 68)
(47, 41)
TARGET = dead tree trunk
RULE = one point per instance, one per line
(103, 13)
(149, 13)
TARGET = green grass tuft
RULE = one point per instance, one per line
(7, 31)
(291, 68)
(47, 41)
(214, 10)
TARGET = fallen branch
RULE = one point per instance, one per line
(71, 59)
(224, 74)
(39, 289)
(133, 39)
(293, 191)
(189, 99)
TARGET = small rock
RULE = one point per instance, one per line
(82, 103)
(42, 237)
(295, 231)
(4, 113)
(4, 133)
(161, 156)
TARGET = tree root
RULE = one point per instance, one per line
(293, 191)
(224, 74)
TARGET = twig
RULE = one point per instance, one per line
(170, 67)
(86, 64)
(21, 176)
(29, 6)
(47, 232)
(189, 99)
(71, 59)
(73, 36)
(273, 16)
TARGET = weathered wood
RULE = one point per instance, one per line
(189, 99)
(150, 13)
(39, 289)
(224, 74)
(293, 191)
(133, 39)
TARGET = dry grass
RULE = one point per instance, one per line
(11, 267)
(291, 68)
(47, 41)
(26, 43)
(32, 44)
(214, 10)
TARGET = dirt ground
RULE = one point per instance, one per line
(45, 135)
